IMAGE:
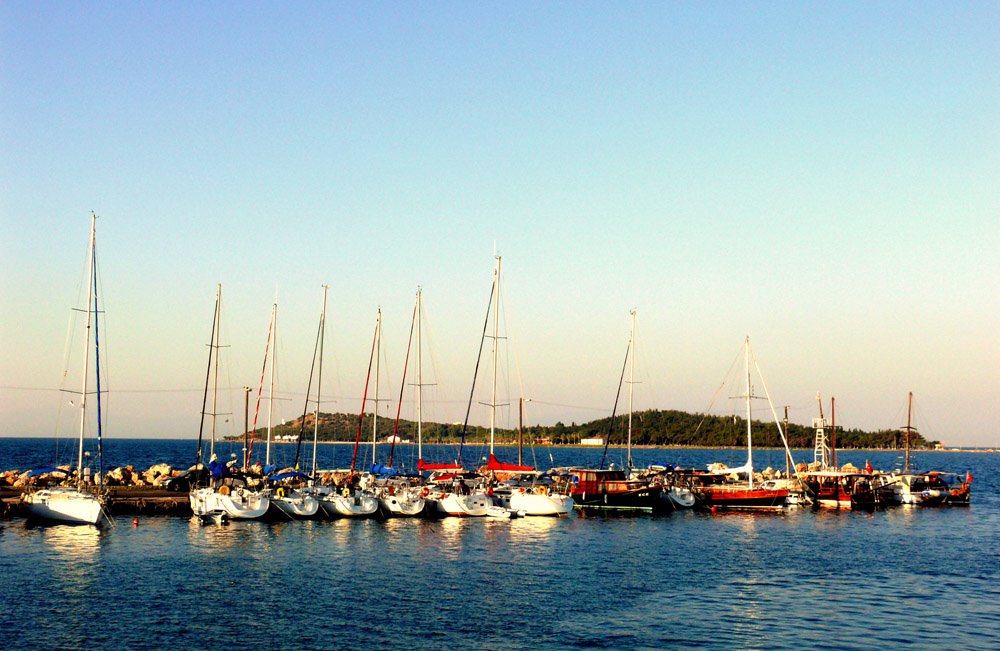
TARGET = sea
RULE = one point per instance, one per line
(906, 578)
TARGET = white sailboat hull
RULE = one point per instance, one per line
(238, 505)
(352, 506)
(452, 504)
(402, 505)
(67, 505)
(552, 504)
(297, 507)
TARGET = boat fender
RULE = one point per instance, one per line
(280, 492)
(223, 490)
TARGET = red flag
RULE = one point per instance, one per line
(868, 467)
(968, 477)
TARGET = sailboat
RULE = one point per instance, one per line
(614, 489)
(226, 493)
(287, 501)
(78, 504)
(918, 489)
(399, 496)
(353, 501)
(725, 493)
(445, 490)
(520, 497)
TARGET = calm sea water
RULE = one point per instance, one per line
(910, 578)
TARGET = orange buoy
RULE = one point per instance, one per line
(135, 522)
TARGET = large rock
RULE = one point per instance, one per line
(156, 471)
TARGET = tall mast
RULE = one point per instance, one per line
(215, 342)
(270, 392)
(746, 360)
(833, 432)
(91, 315)
(909, 413)
(496, 334)
(378, 359)
(420, 381)
(319, 378)
(631, 377)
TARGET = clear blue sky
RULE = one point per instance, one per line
(822, 177)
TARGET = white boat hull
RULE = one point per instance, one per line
(550, 504)
(681, 498)
(67, 505)
(353, 506)
(296, 506)
(461, 506)
(238, 505)
(402, 505)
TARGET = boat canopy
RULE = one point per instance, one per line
(45, 471)
(496, 465)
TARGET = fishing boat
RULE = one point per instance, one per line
(846, 488)
(238, 495)
(81, 503)
(840, 489)
(618, 489)
(726, 488)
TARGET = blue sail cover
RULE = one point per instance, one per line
(382, 469)
(292, 474)
(43, 471)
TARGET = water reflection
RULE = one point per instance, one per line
(70, 542)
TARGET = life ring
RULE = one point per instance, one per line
(542, 490)
(425, 492)
(239, 492)
(223, 490)
(346, 492)
(521, 489)
(280, 492)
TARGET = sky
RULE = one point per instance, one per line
(822, 178)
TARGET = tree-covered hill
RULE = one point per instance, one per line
(651, 427)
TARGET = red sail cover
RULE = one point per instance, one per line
(495, 465)
(421, 466)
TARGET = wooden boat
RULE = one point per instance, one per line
(613, 490)
(79, 504)
(843, 490)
